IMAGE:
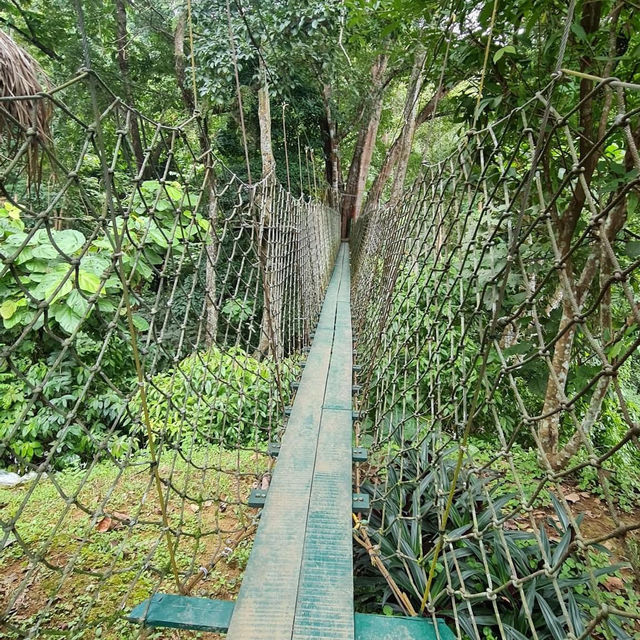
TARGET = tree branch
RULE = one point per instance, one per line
(31, 39)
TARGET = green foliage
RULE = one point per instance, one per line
(63, 286)
(288, 33)
(407, 529)
(219, 396)
(71, 274)
(38, 425)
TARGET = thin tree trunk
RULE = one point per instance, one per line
(212, 258)
(211, 248)
(549, 429)
(365, 143)
(330, 148)
(270, 338)
(181, 64)
(122, 40)
(393, 154)
(409, 128)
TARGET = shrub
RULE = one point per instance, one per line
(30, 424)
(219, 396)
(406, 531)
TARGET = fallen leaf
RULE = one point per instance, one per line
(194, 507)
(122, 516)
(612, 583)
(104, 525)
(572, 497)
(109, 524)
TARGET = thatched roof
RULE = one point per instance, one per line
(22, 75)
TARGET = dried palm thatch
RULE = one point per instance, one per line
(22, 118)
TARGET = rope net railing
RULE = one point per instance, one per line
(497, 314)
(154, 308)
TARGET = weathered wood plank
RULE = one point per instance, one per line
(183, 612)
(266, 604)
(325, 594)
(203, 614)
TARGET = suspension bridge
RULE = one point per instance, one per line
(224, 417)
(299, 579)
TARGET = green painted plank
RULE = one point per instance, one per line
(373, 627)
(325, 597)
(183, 612)
(344, 293)
(360, 502)
(267, 600)
(339, 383)
(202, 614)
(339, 393)
(358, 454)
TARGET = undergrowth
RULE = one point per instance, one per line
(133, 542)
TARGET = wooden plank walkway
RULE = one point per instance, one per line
(298, 583)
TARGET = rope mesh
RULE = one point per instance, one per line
(154, 309)
(164, 266)
(498, 331)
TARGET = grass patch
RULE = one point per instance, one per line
(86, 545)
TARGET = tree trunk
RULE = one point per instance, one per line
(211, 249)
(408, 130)
(270, 338)
(549, 429)
(212, 258)
(391, 158)
(122, 40)
(330, 148)
(180, 63)
(365, 143)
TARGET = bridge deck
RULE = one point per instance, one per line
(298, 583)
(299, 580)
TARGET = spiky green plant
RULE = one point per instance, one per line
(404, 523)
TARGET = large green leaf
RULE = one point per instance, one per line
(88, 281)
(66, 315)
(57, 281)
(8, 308)
(45, 251)
(77, 303)
(69, 241)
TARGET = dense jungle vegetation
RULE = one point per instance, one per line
(353, 81)
(359, 96)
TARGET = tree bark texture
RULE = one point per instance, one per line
(330, 135)
(365, 144)
(122, 41)
(597, 264)
(270, 340)
(391, 158)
